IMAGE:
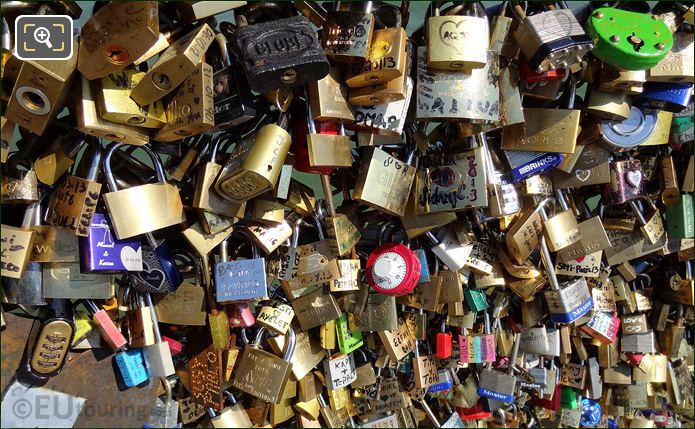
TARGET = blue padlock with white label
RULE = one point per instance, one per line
(241, 279)
(131, 363)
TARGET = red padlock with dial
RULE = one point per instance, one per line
(393, 269)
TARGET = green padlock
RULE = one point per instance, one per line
(569, 398)
(680, 222)
(629, 40)
(475, 298)
(348, 341)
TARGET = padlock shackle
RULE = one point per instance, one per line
(32, 215)
(155, 321)
(390, 8)
(111, 181)
(224, 50)
(430, 413)
(95, 161)
(290, 343)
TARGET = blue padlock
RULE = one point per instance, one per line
(671, 97)
(424, 269)
(444, 382)
(591, 413)
(131, 363)
(526, 164)
(242, 279)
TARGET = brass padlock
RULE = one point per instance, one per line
(39, 92)
(347, 35)
(458, 42)
(254, 166)
(205, 197)
(174, 66)
(191, 110)
(115, 104)
(158, 205)
(384, 182)
(386, 59)
(90, 122)
(262, 374)
(74, 202)
(106, 45)
(328, 98)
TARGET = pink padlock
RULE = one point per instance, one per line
(241, 316)
(109, 331)
(175, 347)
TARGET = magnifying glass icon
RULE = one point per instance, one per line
(41, 35)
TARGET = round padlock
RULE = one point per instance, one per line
(591, 413)
(393, 269)
(625, 135)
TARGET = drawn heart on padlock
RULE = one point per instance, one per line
(582, 175)
(153, 278)
(634, 178)
(449, 33)
(130, 258)
(580, 259)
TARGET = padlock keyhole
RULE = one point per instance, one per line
(635, 41)
(116, 54)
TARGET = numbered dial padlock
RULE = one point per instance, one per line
(393, 269)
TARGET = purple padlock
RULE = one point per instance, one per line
(101, 251)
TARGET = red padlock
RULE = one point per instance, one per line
(300, 149)
(175, 347)
(473, 413)
(443, 343)
(393, 269)
(552, 404)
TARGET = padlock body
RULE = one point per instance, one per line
(254, 166)
(570, 302)
(100, 251)
(115, 104)
(240, 280)
(39, 93)
(262, 374)
(347, 35)
(233, 99)
(281, 53)
(457, 43)
(191, 109)
(107, 46)
(131, 364)
(158, 205)
(159, 273)
(638, 37)
(386, 60)
(552, 39)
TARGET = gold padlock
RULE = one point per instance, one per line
(89, 121)
(39, 92)
(254, 166)
(191, 110)
(107, 45)
(386, 59)
(173, 66)
(384, 182)
(328, 99)
(115, 104)
(456, 42)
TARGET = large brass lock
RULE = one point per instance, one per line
(263, 374)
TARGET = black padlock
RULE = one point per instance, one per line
(280, 53)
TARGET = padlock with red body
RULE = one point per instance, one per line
(300, 149)
(473, 413)
(393, 269)
(444, 347)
